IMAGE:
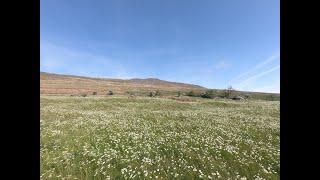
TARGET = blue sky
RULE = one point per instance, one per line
(212, 43)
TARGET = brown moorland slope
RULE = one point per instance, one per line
(69, 84)
(57, 84)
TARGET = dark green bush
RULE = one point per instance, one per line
(151, 94)
(110, 93)
(208, 94)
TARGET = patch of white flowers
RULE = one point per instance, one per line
(145, 138)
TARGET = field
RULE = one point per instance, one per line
(117, 137)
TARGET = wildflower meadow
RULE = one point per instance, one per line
(117, 137)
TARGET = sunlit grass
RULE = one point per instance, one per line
(153, 138)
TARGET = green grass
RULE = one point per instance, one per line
(148, 138)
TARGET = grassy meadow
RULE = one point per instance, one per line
(117, 137)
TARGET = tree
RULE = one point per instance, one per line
(228, 92)
(179, 93)
(94, 93)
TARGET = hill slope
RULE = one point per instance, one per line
(68, 84)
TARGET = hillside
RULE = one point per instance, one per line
(68, 84)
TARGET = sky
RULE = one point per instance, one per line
(211, 43)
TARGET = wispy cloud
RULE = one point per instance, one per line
(251, 79)
(258, 66)
(61, 59)
(223, 64)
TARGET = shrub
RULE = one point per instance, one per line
(151, 94)
(271, 98)
(110, 93)
(83, 95)
(208, 94)
(179, 94)
(191, 93)
(157, 93)
(94, 93)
